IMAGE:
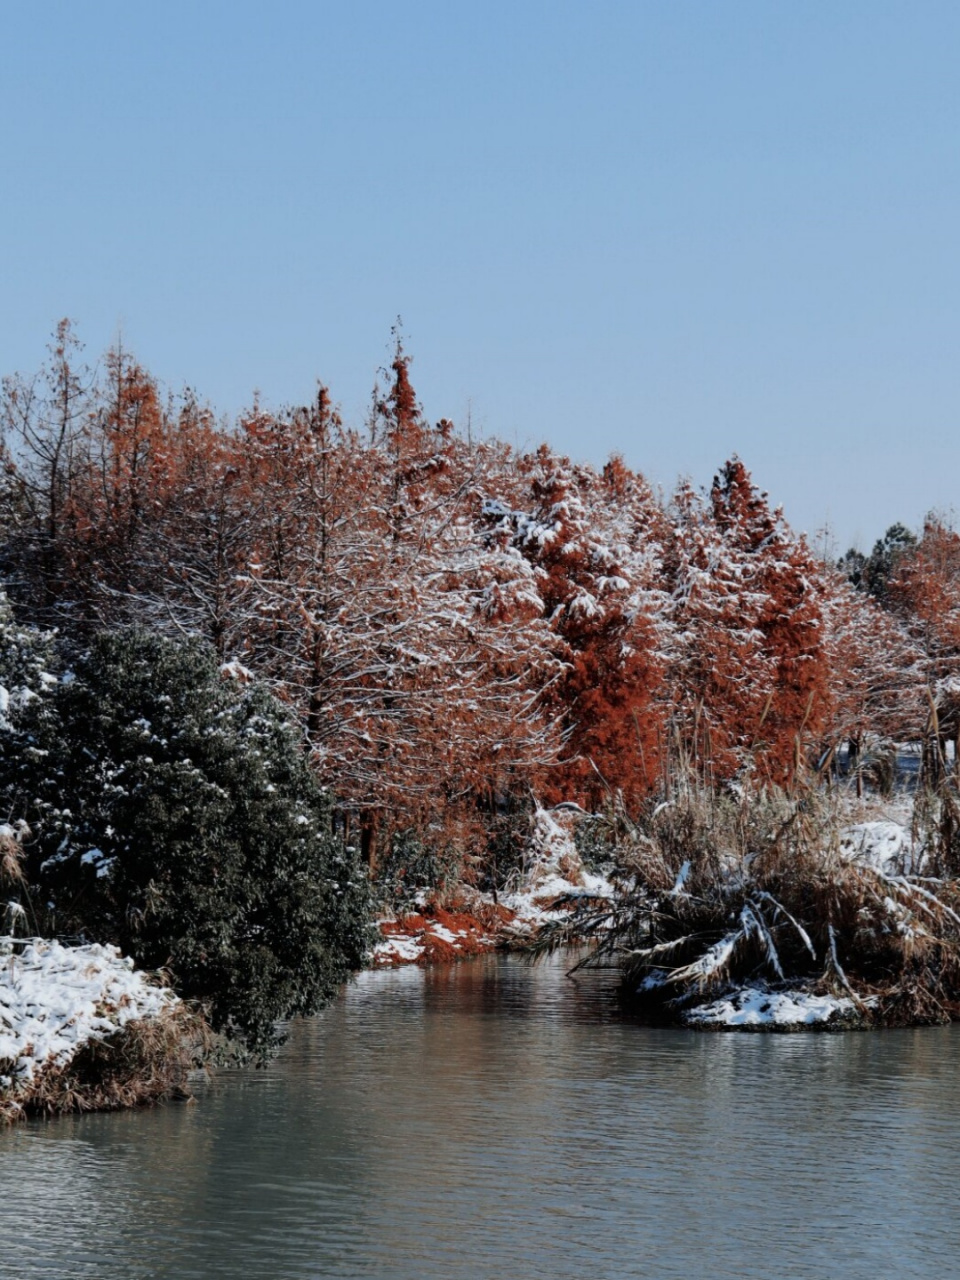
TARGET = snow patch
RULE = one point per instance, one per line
(758, 1007)
(235, 670)
(553, 879)
(399, 948)
(883, 845)
(54, 999)
(554, 871)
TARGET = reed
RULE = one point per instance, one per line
(143, 1063)
(724, 889)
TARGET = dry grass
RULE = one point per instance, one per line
(142, 1064)
(723, 890)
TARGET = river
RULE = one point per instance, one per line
(492, 1119)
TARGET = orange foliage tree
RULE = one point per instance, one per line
(750, 673)
(456, 623)
(590, 540)
(877, 671)
(925, 591)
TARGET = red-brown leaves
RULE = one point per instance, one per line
(454, 622)
(751, 673)
(925, 591)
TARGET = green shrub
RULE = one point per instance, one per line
(175, 815)
(508, 831)
(595, 837)
(26, 659)
(413, 864)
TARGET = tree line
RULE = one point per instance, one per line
(455, 623)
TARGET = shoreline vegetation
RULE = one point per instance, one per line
(279, 696)
(768, 911)
(721, 913)
(81, 1029)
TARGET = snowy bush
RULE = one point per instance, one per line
(81, 1028)
(414, 865)
(175, 815)
(26, 657)
(738, 909)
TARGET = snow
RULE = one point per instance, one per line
(411, 943)
(235, 670)
(883, 844)
(713, 958)
(54, 999)
(398, 948)
(948, 687)
(97, 859)
(678, 889)
(15, 699)
(447, 935)
(553, 870)
(756, 1006)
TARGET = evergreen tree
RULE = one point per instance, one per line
(175, 815)
(885, 558)
(26, 658)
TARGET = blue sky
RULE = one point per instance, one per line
(676, 230)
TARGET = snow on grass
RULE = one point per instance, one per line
(447, 935)
(397, 949)
(760, 1008)
(554, 873)
(433, 933)
(548, 900)
(54, 999)
(882, 844)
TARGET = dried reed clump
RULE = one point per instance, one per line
(720, 891)
(12, 854)
(873, 766)
(143, 1063)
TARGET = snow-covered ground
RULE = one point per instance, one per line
(431, 933)
(884, 844)
(756, 1007)
(881, 841)
(552, 871)
(54, 999)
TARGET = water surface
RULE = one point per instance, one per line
(491, 1119)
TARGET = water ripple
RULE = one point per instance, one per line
(492, 1120)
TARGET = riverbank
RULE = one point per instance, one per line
(81, 1029)
(439, 927)
(733, 957)
(768, 911)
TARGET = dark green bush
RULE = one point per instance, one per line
(595, 837)
(508, 830)
(175, 815)
(414, 863)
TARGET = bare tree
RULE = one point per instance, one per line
(43, 420)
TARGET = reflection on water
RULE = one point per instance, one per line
(492, 1120)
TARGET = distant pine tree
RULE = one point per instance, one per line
(873, 573)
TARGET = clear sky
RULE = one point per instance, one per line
(675, 230)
